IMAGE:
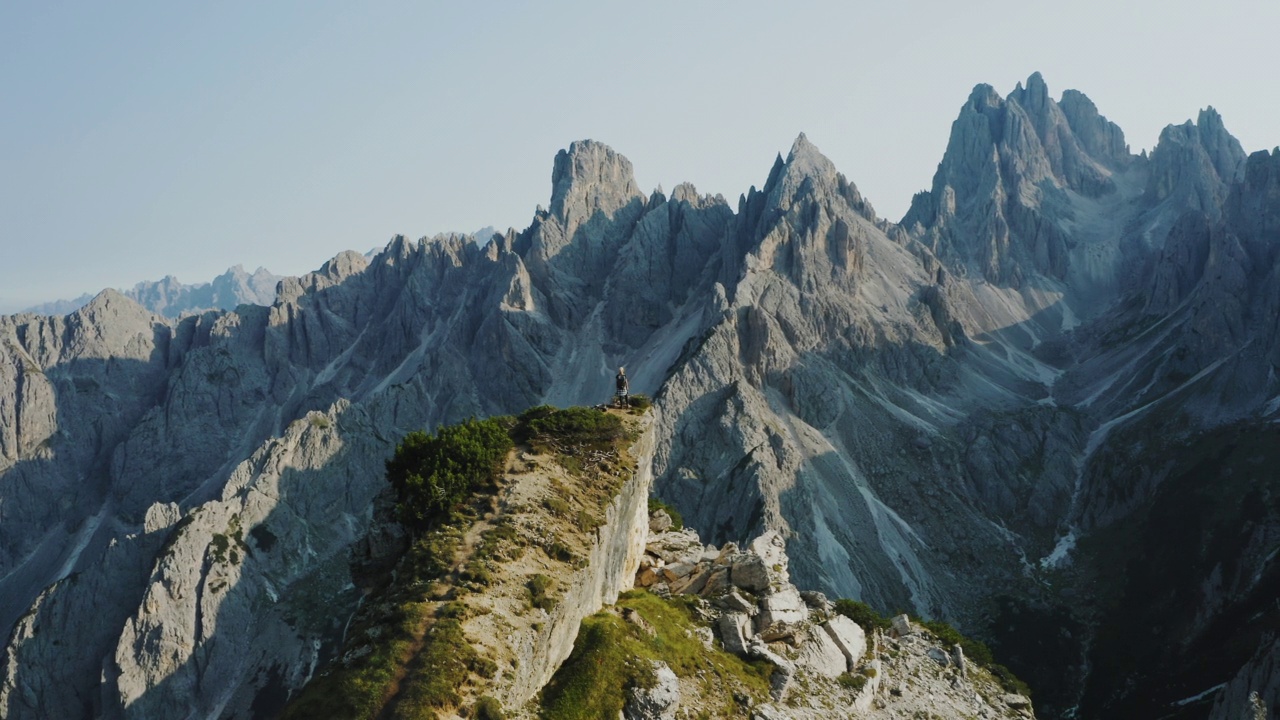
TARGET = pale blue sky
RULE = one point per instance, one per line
(144, 139)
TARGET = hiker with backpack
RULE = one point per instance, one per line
(622, 398)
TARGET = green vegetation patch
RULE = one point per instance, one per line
(978, 652)
(437, 672)
(435, 475)
(362, 684)
(488, 708)
(611, 656)
(863, 614)
(852, 681)
(569, 431)
(639, 403)
(539, 587)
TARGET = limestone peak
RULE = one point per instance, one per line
(590, 176)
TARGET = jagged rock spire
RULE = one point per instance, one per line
(587, 178)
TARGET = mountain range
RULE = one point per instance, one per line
(171, 298)
(1042, 406)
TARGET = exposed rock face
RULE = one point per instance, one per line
(1004, 195)
(610, 568)
(1054, 350)
(1255, 687)
(1203, 152)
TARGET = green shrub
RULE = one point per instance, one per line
(978, 652)
(484, 667)
(538, 586)
(639, 402)
(220, 544)
(488, 708)
(434, 475)
(1009, 681)
(852, 682)
(431, 555)
(863, 614)
(677, 520)
(587, 521)
(975, 650)
(454, 609)
(437, 672)
(557, 550)
(360, 688)
(548, 428)
(557, 505)
(477, 572)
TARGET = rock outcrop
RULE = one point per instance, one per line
(823, 663)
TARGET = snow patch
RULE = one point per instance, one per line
(895, 538)
(86, 533)
(1198, 696)
(1069, 319)
(835, 559)
(1273, 406)
(1061, 555)
(331, 369)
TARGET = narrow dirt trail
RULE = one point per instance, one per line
(462, 555)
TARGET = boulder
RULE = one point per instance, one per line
(939, 656)
(633, 617)
(658, 702)
(660, 522)
(902, 625)
(735, 628)
(773, 550)
(1017, 702)
(676, 546)
(783, 671)
(816, 600)
(748, 572)
(820, 654)
(958, 659)
(778, 632)
(733, 601)
(849, 637)
(692, 584)
(724, 553)
(783, 606)
(675, 571)
(706, 637)
(717, 583)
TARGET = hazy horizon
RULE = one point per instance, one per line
(154, 140)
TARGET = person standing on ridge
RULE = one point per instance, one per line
(622, 398)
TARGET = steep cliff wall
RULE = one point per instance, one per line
(610, 568)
